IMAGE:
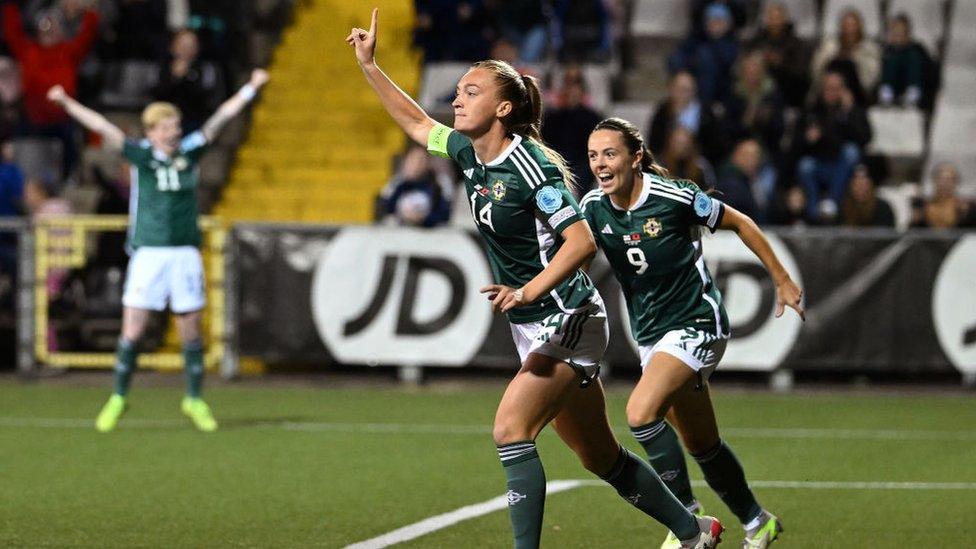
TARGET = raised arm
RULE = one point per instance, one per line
(233, 106)
(788, 294)
(404, 110)
(112, 136)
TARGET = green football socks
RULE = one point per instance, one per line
(637, 482)
(125, 365)
(667, 457)
(193, 366)
(724, 474)
(526, 481)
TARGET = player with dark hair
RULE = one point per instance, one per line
(649, 227)
(164, 239)
(536, 242)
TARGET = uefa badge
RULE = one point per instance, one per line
(498, 189)
(180, 163)
(652, 227)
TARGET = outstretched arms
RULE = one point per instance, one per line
(112, 136)
(233, 106)
(788, 294)
(404, 110)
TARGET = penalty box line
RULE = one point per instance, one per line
(468, 512)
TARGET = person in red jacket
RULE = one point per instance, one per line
(49, 60)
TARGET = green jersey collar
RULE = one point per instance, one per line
(645, 193)
(516, 139)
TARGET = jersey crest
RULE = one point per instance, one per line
(549, 199)
(498, 189)
(652, 227)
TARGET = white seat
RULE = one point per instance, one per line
(927, 17)
(805, 16)
(899, 197)
(897, 132)
(637, 113)
(438, 84)
(670, 18)
(958, 83)
(960, 51)
(953, 129)
(870, 14)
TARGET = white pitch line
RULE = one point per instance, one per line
(471, 429)
(446, 520)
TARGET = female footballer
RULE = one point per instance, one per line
(536, 241)
(165, 267)
(648, 225)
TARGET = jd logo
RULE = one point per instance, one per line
(954, 303)
(401, 296)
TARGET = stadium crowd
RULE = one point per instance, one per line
(776, 123)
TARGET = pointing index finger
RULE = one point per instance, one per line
(372, 23)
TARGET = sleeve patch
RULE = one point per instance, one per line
(437, 140)
(549, 199)
(561, 215)
(703, 204)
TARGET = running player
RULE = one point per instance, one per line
(164, 239)
(536, 242)
(648, 225)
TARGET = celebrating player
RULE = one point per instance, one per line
(648, 225)
(165, 266)
(536, 242)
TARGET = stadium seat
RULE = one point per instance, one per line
(128, 84)
(899, 197)
(438, 84)
(952, 135)
(805, 17)
(638, 114)
(958, 82)
(927, 17)
(870, 13)
(897, 132)
(668, 18)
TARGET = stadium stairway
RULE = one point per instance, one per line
(320, 144)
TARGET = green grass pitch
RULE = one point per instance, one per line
(326, 467)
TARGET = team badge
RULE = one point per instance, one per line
(180, 163)
(498, 189)
(633, 239)
(549, 199)
(703, 205)
(652, 227)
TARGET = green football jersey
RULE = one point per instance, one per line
(521, 206)
(163, 207)
(655, 250)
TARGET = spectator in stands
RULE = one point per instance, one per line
(49, 60)
(903, 65)
(862, 207)
(524, 23)
(785, 54)
(790, 209)
(851, 53)
(738, 10)
(417, 196)
(756, 106)
(683, 161)
(189, 83)
(683, 109)
(448, 30)
(582, 31)
(828, 143)
(747, 182)
(710, 57)
(11, 183)
(10, 96)
(945, 209)
(566, 128)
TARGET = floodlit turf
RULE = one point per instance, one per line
(304, 467)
